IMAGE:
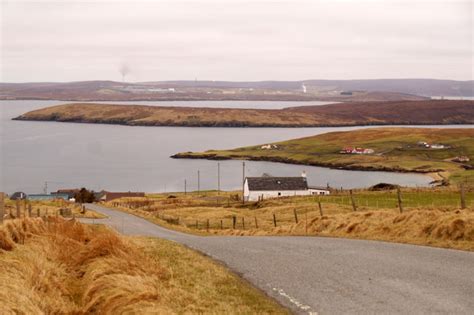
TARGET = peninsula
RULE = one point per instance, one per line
(420, 150)
(424, 112)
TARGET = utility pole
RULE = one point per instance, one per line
(185, 188)
(2, 207)
(45, 188)
(243, 182)
(218, 177)
(199, 182)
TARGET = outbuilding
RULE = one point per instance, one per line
(19, 195)
(48, 197)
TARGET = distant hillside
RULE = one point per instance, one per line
(421, 87)
(344, 114)
(324, 90)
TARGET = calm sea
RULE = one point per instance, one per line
(123, 158)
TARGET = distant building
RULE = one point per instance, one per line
(48, 197)
(259, 188)
(18, 196)
(70, 192)
(108, 196)
(439, 146)
(423, 144)
(435, 146)
(269, 146)
(350, 150)
(461, 159)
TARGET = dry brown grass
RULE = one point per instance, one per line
(55, 266)
(449, 229)
(441, 226)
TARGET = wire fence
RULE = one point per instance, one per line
(211, 211)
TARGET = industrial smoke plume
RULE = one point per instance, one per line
(124, 70)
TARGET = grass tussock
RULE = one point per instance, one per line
(42, 208)
(449, 229)
(55, 266)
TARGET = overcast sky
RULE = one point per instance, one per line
(235, 39)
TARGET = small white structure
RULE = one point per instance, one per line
(259, 188)
(313, 190)
(350, 150)
(269, 146)
(303, 87)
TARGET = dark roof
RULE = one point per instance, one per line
(319, 187)
(19, 195)
(277, 183)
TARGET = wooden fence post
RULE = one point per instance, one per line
(207, 225)
(306, 221)
(463, 196)
(354, 207)
(296, 216)
(222, 225)
(29, 210)
(256, 223)
(274, 220)
(18, 209)
(320, 208)
(2, 206)
(243, 223)
(38, 213)
(197, 225)
(399, 196)
(234, 221)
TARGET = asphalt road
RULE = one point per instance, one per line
(314, 275)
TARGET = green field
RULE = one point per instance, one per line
(395, 149)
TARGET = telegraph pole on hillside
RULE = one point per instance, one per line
(243, 182)
(2, 207)
(199, 182)
(185, 188)
(218, 177)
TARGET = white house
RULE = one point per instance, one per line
(258, 188)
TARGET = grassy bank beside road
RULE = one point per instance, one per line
(430, 217)
(53, 266)
(395, 149)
